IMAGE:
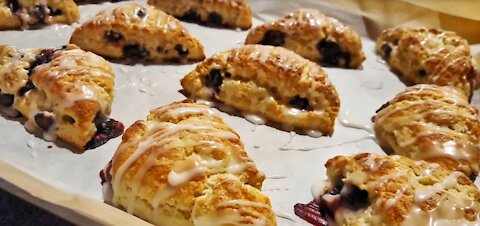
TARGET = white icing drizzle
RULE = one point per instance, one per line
(160, 137)
(345, 120)
(449, 210)
(317, 190)
(285, 216)
(286, 148)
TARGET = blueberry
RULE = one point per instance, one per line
(386, 50)
(141, 13)
(45, 56)
(43, 121)
(422, 73)
(6, 99)
(113, 36)
(40, 12)
(135, 51)
(332, 53)
(273, 38)
(180, 50)
(214, 79)
(353, 197)
(191, 16)
(105, 174)
(28, 86)
(215, 18)
(299, 102)
(105, 131)
(14, 5)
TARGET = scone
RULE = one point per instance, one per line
(314, 36)
(185, 166)
(369, 189)
(24, 13)
(429, 56)
(65, 93)
(138, 32)
(228, 13)
(432, 123)
(273, 83)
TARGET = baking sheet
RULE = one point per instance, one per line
(138, 88)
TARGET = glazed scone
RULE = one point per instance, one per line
(138, 32)
(370, 189)
(314, 36)
(432, 123)
(229, 13)
(271, 82)
(185, 166)
(16, 14)
(65, 93)
(429, 56)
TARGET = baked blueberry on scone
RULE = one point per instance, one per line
(24, 13)
(185, 166)
(314, 36)
(432, 123)
(273, 83)
(429, 56)
(138, 32)
(65, 93)
(228, 13)
(370, 189)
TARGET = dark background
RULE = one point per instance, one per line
(16, 212)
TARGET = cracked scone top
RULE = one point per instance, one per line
(271, 82)
(429, 56)
(314, 36)
(66, 93)
(24, 13)
(139, 32)
(185, 166)
(229, 13)
(432, 123)
(370, 189)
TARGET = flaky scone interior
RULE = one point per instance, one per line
(432, 123)
(65, 93)
(185, 166)
(314, 36)
(228, 13)
(139, 32)
(370, 189)
(24, 13)
(429, 56)
(272, 83)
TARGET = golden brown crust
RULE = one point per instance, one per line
(432, 123)
(273, 82)
(314, 36)
(230, 13)
(402, 191)
(165, 166)
(33, 12)
(429, 56)
(138, 31)
(60, 91)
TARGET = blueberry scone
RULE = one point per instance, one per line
(65, 93)
(273, 83)
(185, 166)
(429, 56)
(432, 123)
(229, 13)
(24, 13)
(138, 32)
(314, 36)
(369, 189)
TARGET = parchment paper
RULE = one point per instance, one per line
(53, 177)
